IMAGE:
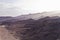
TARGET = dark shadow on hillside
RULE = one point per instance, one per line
(47, 28)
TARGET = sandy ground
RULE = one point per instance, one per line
(5, 35)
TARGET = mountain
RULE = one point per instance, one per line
(47, 28)
(35, 16)
(38, 26)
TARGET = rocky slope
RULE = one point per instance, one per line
(40, 26)
(5, 34)
(47, 28)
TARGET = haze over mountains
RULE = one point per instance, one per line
(35, 16)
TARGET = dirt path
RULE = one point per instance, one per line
(5, 35)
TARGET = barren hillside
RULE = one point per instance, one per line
(5, 35)
(46, 27)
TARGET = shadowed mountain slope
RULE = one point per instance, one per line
(47, 28)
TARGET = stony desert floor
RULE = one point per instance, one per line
(5, 35)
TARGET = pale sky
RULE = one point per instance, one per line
(19, 7)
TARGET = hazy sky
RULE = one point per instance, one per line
(18, 7)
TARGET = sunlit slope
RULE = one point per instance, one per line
(5, 35)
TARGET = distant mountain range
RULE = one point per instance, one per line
(35, 16)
